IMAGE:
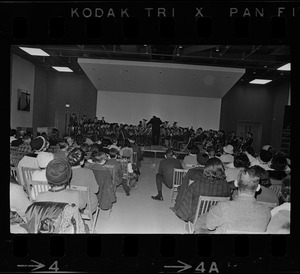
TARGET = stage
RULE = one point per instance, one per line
(159, 152)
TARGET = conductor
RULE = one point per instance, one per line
(155, 122)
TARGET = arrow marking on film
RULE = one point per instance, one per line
(37, 265)
(184, 266)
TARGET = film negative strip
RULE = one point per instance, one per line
(149, 22)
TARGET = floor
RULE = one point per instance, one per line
(138, 213)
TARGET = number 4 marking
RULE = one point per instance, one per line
(200, 267)
(54, 266)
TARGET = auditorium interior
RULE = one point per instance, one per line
(233, 88)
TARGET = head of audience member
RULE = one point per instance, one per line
(43, 159)
(269, 148)
(63, 144)
(70, 140)
(99, 157)
(127, 153)
(194, 150)
(264, 178)
(13, 133)
(76, 157)
(214, 169)
(248, 181)
(211, 151)
(279, 162)
(241, 160)
(202, 158)
(113, 153)
(286, 189)
(27, 138)
(85, 147)
(127, 143)
(79, 139)
(265, 156)
(39, 144)
(169, 153)
(228, 149)
(58, 173)
(94, 147)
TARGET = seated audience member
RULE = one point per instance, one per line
(83, 176)
(19, 202)
(139, 155)
(270, 149)
(25, 146)
(278, 166)
(61, 152)
(18, 139)
(13, 135)
(227, 156)
(263, 160)
(211, 183)
(280, 221)
(113, 152)
(43, 159)
(165, 173)
(58, 174)
(192, 175)
(249, 151)
(38, 145)
(243, 213)
(190, 160)
(265, 194)
(211, 152)
(240, 162)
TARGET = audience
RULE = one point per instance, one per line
(243, 213)
(278, 167)
(165, 173)
(263, 160)
(61, 152)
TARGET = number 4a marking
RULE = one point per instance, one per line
(54, 266)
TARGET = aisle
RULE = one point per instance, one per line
(138, 213)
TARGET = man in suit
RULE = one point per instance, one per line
(155, 122)
(165, 173)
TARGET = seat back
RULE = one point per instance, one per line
(15, 159)
(87, 214)
(27, 176)
(275, 182)
(14, 172)
(178, 175)
(270, 205)
(204, 204)
(276, 189)
(35, 187)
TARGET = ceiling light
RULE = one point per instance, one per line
(285, 67)
(260, 81)
(180, 47)
(35, 51)
(217, 48)
(63, 69)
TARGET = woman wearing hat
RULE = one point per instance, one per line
(58, 174)
(227, 156)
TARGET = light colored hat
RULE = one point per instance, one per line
(266, 147)
(114, 146)
(228, 149)
(43, 158)
(127, 152)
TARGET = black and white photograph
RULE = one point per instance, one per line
(150, 139)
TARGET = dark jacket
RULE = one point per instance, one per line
(166, 168)
(155, 122)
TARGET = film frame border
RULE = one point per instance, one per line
(139, 253)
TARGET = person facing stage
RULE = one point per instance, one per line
(155, 122)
